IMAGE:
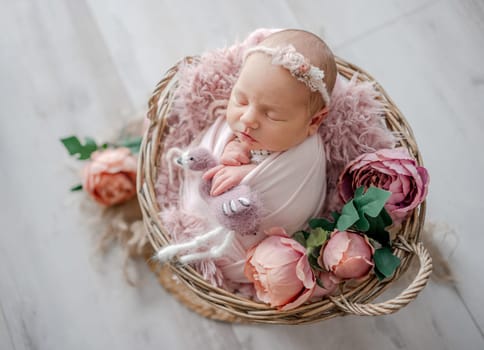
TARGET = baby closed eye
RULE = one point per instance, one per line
(274, 117)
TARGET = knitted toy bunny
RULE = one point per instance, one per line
(237, 211)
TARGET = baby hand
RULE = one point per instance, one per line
(235, 153)
(225, 178)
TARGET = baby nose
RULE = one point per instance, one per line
(249, 119)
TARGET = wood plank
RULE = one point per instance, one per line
(343, 22)
(148, 37)
(5, 340)
(87, 67)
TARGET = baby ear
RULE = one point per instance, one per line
(316, 120)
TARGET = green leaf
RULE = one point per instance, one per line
(377, 230)
(89, 147)
(362, 224)
(323, 223)
(379, 275)
(377, 224)
(319, 282)
(74, 147)
(371, 212)
(359, 192)
(385, 261)
(317, 237)
(313, 262)
(315, 252)
(349, 215)
(335, 216)
(372, 201)
(76, 188)
(72, 144)
(382, 237)
(299, 237)
(385, 217)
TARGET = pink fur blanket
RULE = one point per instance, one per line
(354, 125)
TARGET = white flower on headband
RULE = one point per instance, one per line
(297, 65)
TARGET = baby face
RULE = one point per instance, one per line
(268, 107)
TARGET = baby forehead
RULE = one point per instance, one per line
(258, 60)
(258, 74)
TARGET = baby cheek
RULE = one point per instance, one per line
(231, 117)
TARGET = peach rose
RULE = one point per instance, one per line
(110, 176)
(347, 255)
(279, 268)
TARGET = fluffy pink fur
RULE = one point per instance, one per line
(354, 125)
(184, 227)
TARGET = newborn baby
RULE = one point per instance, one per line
(269, 139)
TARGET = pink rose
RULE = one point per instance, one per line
(110, 176)
(347, 255)
(279, 268)
(393, 170)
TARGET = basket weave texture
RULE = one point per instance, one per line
(215, 303)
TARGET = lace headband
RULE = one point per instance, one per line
(297, 65)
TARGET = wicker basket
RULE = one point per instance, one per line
(196, 293)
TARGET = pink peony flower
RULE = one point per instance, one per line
(110, 176)
(280, 270)
(347, 255)
(393, 170)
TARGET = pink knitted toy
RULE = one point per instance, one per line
(237, 209)
(237, 212)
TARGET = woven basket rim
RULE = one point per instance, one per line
(219, 304)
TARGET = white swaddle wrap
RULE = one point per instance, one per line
(290, 184)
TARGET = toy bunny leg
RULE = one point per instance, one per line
(238, 209)
(213, 253)
(170, 251)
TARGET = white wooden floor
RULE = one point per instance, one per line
(87, 66)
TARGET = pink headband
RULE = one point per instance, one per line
(297, 65)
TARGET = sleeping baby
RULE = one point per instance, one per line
(269, 140)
